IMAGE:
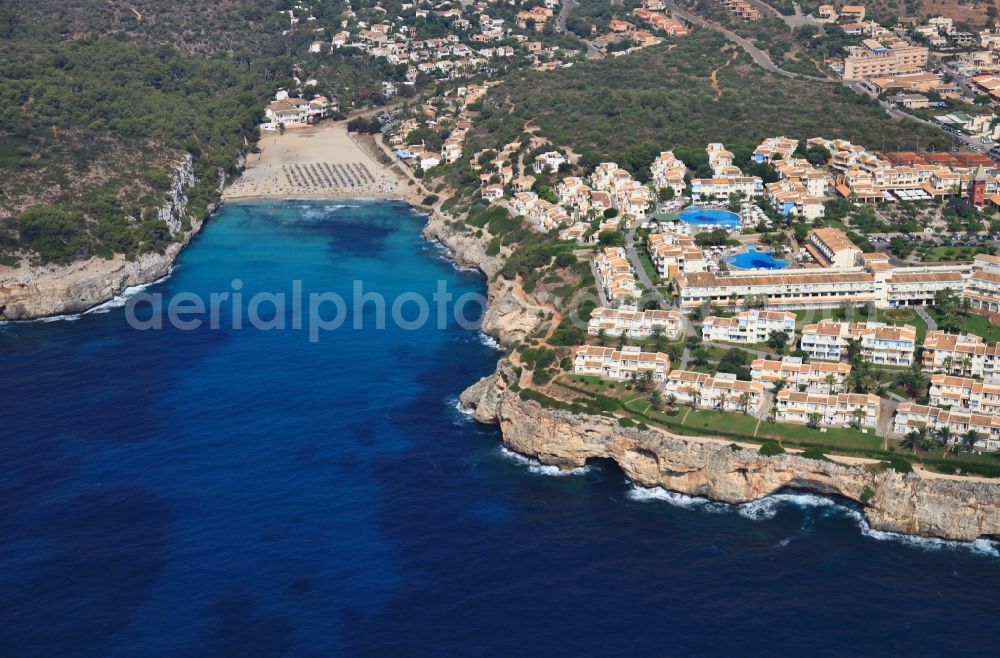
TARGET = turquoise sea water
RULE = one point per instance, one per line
(251, 493)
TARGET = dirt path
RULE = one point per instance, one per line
(715, 76)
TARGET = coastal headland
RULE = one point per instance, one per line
(720, 470)
(318, 162)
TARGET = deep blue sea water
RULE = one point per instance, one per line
(249, 493)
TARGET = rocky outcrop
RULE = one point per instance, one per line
(511, 315)
(29, 292)
(466, 249)
(891, 501)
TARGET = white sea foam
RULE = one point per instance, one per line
(120, 300)
(538, 468)
(491, 342)
(659, 494)
(767, 508)
(464, 414)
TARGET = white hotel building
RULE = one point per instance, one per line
(610, 363)
(910, 416)
(635, 323)
(748, 327)
(720, 392)
(960, 354)
(839, 409)
(787, 290)
(965, 394)
(880, 343)
(815, 377)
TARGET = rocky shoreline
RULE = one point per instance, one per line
(909, 504)
(30, 293)
(890, 501)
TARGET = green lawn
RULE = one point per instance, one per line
(949, 254)
(647, 264)
(975, 324)
(833, 437)
(705, 420)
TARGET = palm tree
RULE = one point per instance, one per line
(947, 362)
(659, 339)
(720, 402)
(814, 420)
(622, 339)
(914, 440)
(942, 436)
(734, 300)
(859, 415)
(779, 384)
(830, 381)
(671, 400)
(655, 400)
(696, 398)
(745, 401)
(966, 363)
(644, 381)
(969, 440)
(602, 337)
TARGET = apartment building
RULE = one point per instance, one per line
(982, 288)
(668, 172)
(960, 354)
(880, 343)
(911, 416)
(873, 59)
(723, 391)
(720, 187)
(635, 323)
(775, 148)
(792, 198)
(673, 254)
(814, 377)
(616, 276)
(965, 394)
(829, 410)
(753, 326)
(790, 289)
(622, 364)
(547, 163)
(917, 286)
(832, 248)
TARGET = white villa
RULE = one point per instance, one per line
(839, 409)
(749, 326)
(814, 377)
(610, 363)
(635, 323)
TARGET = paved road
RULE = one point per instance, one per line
(763, 60)
(567, 8)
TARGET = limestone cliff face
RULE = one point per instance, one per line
(911, 504)
(33, 292)
(511, 315)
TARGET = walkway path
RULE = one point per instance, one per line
(931, 322)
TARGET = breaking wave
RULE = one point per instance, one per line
(647, 494)
(120, 300)
(491, 342)
(539, 468)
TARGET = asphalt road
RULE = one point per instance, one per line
(763, 60)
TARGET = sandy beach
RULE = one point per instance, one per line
(318, 162)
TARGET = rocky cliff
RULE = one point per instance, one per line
(511, 315)
(31, 292)
(911, 504)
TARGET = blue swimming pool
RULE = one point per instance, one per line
(708, 216)
(751, 259)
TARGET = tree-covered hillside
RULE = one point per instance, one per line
(700, 90)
